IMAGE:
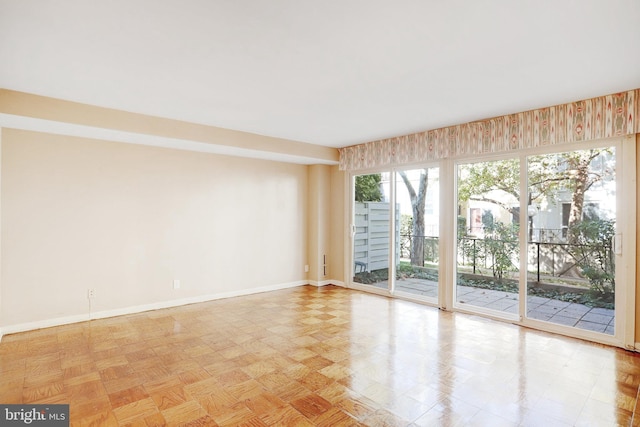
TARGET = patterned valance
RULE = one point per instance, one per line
(595, 118)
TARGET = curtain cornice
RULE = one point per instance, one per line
(596, 118)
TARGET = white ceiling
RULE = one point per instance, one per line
(329, 72)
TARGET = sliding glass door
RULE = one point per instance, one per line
(417, 243)
(488, 223)
(571, 209)
(562, 205)
(535, 238)
(371, 230)
(396, 231)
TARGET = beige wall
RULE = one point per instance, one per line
(326, 230)
(318, 225)
(56, 110)
(637, 213)
(126, 220)
(337, 231)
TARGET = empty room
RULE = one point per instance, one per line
(339, 213)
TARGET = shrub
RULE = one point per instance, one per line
(592, 253)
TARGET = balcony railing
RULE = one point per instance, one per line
(431, 249)
(549, 258)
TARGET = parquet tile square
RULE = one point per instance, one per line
(155, 420)
(335, 392)
(273, 380)
(297, 371)
(87, 408)
(317, 356)
(137, 410)
(315, 381)
(334, 417)
(41, 393)
(194, 376)
(264, 402)
(317, 362)
(186, 412)
(217, 401)
(253, 422)
(359, 408)
(232, 415)
(110, 361)
(245, 390)
(112, 386)
(124, 397)
(259, 368)
(286, 416)
(169, 397)
(98, 418)
(290, 391)
(311, 405)
(11, 391)
(85, 391)
(203, 387)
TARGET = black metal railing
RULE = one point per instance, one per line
(546, 258)
(552, 259)
(430, 247)
(560, 259)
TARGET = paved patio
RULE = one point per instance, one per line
(547, 309)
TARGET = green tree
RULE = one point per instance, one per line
(548, 173)
(482, 182)
(582, 177)
(418, 199)
(368, 188)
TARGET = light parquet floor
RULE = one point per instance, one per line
(317, 356)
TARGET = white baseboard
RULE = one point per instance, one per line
(637, 346)
(325, 283)
(47, 323)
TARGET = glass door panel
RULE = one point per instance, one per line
(417, 201)
(372, 232)
(571, 224)
(487, 264)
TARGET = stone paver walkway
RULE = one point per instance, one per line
(546, 309)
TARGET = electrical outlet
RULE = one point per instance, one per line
(306, 268)
(176, 284)
(91, 293)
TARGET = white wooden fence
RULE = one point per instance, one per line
(371, 240)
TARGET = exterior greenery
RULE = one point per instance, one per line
(367, 188)
(592, 252)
